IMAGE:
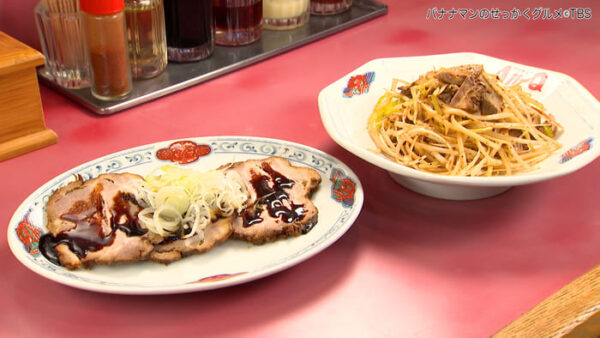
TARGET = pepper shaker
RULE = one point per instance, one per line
(107, 45)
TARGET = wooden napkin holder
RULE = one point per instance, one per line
(22, 127)
(572, 311)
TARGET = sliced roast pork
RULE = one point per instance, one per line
(95, 221)
(279, 204)
(170, 250)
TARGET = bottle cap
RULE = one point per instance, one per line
(101, 7)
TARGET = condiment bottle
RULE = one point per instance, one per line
(238, 22)
(329, 7)
(145, 20)
(285, 14)
(105, 30)
(190, 29)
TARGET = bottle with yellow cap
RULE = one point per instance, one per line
(107, 43)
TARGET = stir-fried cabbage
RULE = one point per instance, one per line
(182, 202)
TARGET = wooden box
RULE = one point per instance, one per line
(22, 126)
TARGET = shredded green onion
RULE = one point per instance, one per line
(183, 201)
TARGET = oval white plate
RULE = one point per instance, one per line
(339, 199)
(346, 104)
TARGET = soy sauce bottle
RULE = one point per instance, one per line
(190, 29)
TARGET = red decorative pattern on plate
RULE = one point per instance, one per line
(183, 152)
(217, 278)
(343, 188)
(578, 149)
(29, 235)
(512, 76)
(359, 84)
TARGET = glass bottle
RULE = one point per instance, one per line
(145, 20)
(285, 14)
(329, 7)
(107, 44)
(238, 22)
(190, 29)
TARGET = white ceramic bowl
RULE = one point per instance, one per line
(346, 104)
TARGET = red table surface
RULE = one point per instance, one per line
(409, 266)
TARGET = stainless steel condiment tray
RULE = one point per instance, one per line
(224, 60)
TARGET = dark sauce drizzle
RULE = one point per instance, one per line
(272, 198)
(87, 235)
(174, 236)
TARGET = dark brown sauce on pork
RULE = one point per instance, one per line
(272, 198)
(181, 233)
(122, 212)
(87, 235)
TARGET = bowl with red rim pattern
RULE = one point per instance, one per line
(346, 104)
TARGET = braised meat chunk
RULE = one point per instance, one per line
(467, 89)
(457, 75)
